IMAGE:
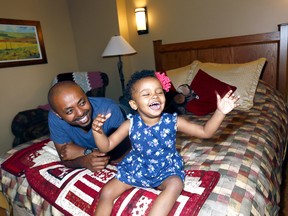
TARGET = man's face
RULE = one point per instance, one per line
(73, 106)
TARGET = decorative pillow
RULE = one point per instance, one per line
(206, 86)
(244, 76)
(180, 75)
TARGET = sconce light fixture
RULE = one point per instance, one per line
(141, 20)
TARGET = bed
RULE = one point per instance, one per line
(239, 169)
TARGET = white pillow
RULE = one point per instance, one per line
(179, 76)
(244, 76)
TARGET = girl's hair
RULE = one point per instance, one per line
(138, 75)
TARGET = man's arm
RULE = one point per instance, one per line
(73, 156)
(93, 161)
(69, 151)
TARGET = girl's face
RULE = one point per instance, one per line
(148, 98)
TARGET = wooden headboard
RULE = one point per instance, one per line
(238, 49)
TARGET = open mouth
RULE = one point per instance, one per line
(83, 120)
(155, 105)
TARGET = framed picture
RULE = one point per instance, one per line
(21, 43)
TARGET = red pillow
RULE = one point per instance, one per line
(205, 87)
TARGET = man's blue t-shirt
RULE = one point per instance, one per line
(61, 132)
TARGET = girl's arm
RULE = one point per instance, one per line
(224, 106)
(104, 143)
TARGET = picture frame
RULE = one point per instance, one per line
(21, 43)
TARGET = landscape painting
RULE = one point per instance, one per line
(21, 43)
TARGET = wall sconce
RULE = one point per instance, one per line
(141, 20)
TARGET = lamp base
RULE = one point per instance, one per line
(121, 75)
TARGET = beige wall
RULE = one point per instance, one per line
(184, 20)
(76, 33)
(94, 23)
(26, 87)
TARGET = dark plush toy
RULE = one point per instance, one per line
(176, 101)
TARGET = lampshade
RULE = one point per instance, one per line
(118, 46)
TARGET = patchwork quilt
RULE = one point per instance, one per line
(76, 191)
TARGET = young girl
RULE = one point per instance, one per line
(153, 161)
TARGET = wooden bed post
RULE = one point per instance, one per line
(157, 57)
(283, 58)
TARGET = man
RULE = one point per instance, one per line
(70, 119)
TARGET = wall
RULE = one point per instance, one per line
(26, 87)
(185, 20)
(94, 23)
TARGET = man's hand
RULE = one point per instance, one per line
(95, 161)
(71, 151)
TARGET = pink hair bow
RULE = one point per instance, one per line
(164, 80)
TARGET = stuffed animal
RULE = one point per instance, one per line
(176, 100)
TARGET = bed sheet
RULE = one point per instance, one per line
(248, 151)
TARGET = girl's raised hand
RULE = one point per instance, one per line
(227, 103)
(99, 121)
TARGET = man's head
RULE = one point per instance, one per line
(70, 103)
